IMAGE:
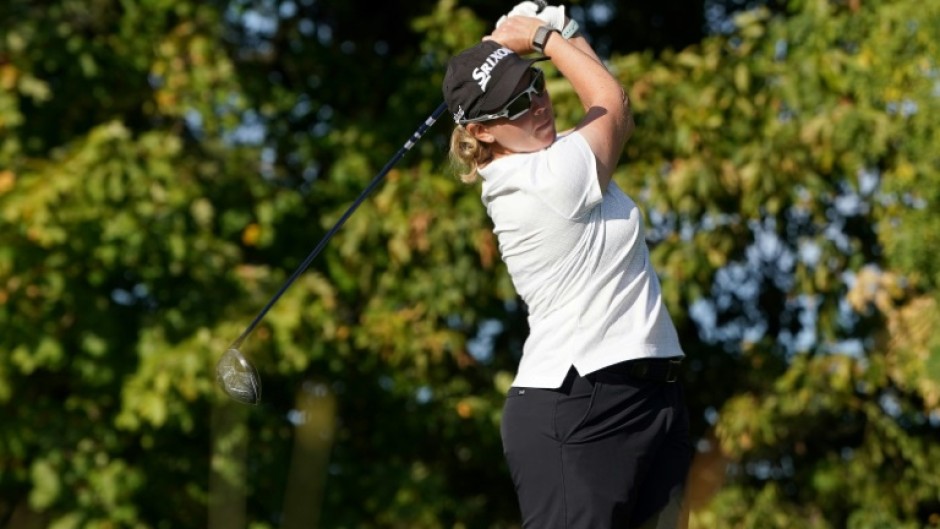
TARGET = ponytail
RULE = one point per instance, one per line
(468, 154)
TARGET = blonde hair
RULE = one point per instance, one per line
(468, 154)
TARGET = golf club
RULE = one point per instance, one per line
(237, 376)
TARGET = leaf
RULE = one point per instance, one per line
(46, 484)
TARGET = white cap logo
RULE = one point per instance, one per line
(482, 73)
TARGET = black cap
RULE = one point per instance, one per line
(481, 79)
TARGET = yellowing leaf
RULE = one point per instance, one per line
(251, 234)
(7, 181)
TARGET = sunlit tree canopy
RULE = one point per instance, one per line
(165, 165)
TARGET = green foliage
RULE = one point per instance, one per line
(164, 168)
(820, 123)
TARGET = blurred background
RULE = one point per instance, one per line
(166, 164)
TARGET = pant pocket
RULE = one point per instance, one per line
(574, 409)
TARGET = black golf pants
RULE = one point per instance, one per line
(605, 451)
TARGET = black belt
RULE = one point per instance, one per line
(652, 369)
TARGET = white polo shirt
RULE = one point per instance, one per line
(578, 258)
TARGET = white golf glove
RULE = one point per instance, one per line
(553, 16)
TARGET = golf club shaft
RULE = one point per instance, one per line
(316, 251)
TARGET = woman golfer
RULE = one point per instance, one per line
(595, 429)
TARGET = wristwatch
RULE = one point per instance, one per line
(541, 37)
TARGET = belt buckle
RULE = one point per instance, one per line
(672, 374)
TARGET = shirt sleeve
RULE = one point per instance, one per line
(565, 177)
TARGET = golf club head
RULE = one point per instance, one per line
(238, 377)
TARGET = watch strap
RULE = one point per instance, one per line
(541, 37)
(571, 28)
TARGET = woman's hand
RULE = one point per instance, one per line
(517, 33)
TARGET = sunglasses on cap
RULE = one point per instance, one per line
(518, 105)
